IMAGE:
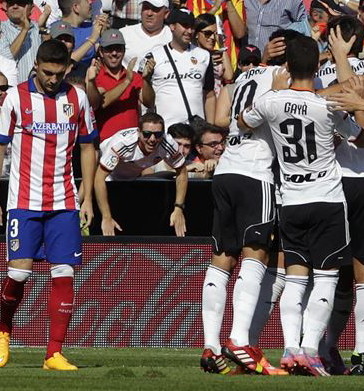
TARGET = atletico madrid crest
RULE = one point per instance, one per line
(14, 244)
(68, 109)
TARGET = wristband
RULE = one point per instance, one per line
(181, 206)
(91, 41)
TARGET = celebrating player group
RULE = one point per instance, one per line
(293, 170)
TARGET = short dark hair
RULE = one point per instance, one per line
(205, 127)
(288, 35)
(302, 57)
(66, 6)
(53, 51)
(154, 118)
(349, 26)
(181, 130)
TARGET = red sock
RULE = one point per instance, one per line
(11, 295)
(60, 309)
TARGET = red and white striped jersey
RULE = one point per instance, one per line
(43, 130)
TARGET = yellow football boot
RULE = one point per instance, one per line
(58, 363)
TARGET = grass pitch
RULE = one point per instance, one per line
(137, 369)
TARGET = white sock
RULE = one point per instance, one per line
(291, 310)
(213, 306)
(319, 307)
(359, 318)
(272, 287)
(245, 297)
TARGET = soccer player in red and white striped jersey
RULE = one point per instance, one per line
(43, 118)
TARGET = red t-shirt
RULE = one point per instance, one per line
(36, 12)
(124, 112)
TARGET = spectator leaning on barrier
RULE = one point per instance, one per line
(131, 151)
(143, 37)
(184, 135)
(116, 91)
(20, 37)
(209, 144)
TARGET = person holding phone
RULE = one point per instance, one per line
(206, 38)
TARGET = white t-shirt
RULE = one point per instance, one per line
(303, 129)
(193, 66)
(247, 153)
(350, 157)
(9, 69)
(138, 43)
(124, 159)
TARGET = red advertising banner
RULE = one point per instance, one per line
(134, 291)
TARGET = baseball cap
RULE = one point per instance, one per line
(182, 16)
(249, 53)
(111, 37)
(329, 6)
(60, 28)
(156, 3)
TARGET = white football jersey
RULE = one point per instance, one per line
(124, 159)
(138, 43)
(303, 129)
(192, 65)
(350, 157)
(247, 153)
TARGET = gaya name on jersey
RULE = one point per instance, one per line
(52, 127)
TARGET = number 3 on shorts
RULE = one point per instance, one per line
(14, 228)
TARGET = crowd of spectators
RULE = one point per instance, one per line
(120, 55)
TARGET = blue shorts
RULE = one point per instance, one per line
(54, 236)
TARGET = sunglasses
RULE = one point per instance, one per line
(214, 144)
(254, 61)
(4, 88)
(148, 134)
(208, 33)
